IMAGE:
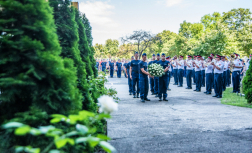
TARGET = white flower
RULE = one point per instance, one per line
(107, 104)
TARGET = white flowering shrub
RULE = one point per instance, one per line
(156, 70)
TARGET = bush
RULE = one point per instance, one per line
(247, 84)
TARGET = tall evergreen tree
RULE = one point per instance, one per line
(247, 84)
(35, 80)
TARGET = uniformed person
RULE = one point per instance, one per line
(124, 67)
(218, 70)
(189, 72)
(128, 76)
(134, 75)
(236, 74)
(228, 74)
(198, 65)
(180, 64)
(143, 79)
(111, 68)
(224, 74)
(152, 79)
(97, 64)
(156, 84)
(119, 68)
(169, 73)
(213, 60)
(163, 81)
(175, 70)
(209, 72)
(104, 65)
(203, 75)
(193, 72)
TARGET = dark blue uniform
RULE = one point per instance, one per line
(103, 64)
(124, 65)
(129, 80)
(119, 69)
(135, 75)
(151, 80)
(156, 80)
(163, 81)
(111, 65)
(143, 80)
(97, 65)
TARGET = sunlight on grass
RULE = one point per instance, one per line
(234, 100)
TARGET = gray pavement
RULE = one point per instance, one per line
(188, 122)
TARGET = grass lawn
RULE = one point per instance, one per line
(234, 100)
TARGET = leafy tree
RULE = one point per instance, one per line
(35, 80)
(111, 47)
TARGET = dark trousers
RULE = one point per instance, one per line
(103, 69)
(198, 80)
(193, 75)
(236, 81)
(163, 83)
(152, 85)
(156, 85)
(184, 72)
(175, 75)
(209, 82)
(144, 86)
(119, 72)
(228, 78)
(129, 83)
(224, 80)
(111, 73)
(180, 76)
(218, 84)
(135, 81)
(213, 79)
(189, 78)
(203, 75)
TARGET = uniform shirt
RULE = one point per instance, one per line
(203, 68)
(97, 64)
(103, 64)
(189, 62)
(119, 65)
(237, 62)
(220, 64)
(199, 64)
(128, 66)
(151, 62)
(209, 69)
(175, 64)
(143, 65)
(111, 65)
(182, 62)
(164, 64)
(156, 61)
(225, 66)
(125, 64)
(135, 66)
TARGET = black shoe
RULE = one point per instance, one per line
(137, 95)
(165, 99)
(208, 93)
(142, 100)
(175, 84)
(195, 90)
(147, 99)
(215, 96)
(152, 93)
(180, 86)
(160, 99)
(134, 96)
(156, 95)
(169, 89)
(130, 93)
(188, 88)
(198, 90)
(219, 96)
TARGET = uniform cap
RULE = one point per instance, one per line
(218, 56)
(189, 56)
(181, 56)
(212, 54)
(158, 54)
(163, 54)
(195, 56)
(144, 54)
(132, 56)
(250, 55)
(198, 56)
(153, 55)
(136, 52)
(210, 57)
(168, 57)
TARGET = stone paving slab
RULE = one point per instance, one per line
(188, 122)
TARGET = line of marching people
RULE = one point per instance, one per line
(212, 73)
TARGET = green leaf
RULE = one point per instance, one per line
(107, 147)
(22, 130)
(70, 141)
(45, 129)
(60, 143)
(93, 141)
(73, 119)
(19, 149)
(55, 120)
(82, 128)
(12, 125)
(84, 114)
(81, 139)
(54, 151)
(104, 137)
(101, 116)
(58, 116)
(73, 133)
(35, 131)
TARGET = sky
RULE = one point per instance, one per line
(113, 19)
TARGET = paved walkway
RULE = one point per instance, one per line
(188, 122)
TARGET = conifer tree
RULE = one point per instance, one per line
(247, 84)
